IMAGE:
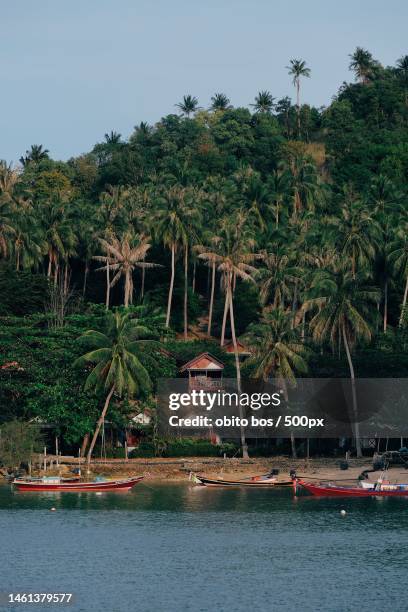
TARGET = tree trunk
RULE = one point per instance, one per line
(142, 289)
(107, 285)
(49, 264)
(404, 303)
(85, 442)
(298, 105)
(186, 292)
(194, 276)
(244, 445)
(385, 315)
(99, 425)
(356, 427)
(170, 298)
(127, 288)
(210, 313)
(85, 277)
(224, 318)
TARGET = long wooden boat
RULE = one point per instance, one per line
(97, 485)
(329, 490)
(253, 482)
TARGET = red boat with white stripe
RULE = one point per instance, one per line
(329, 490)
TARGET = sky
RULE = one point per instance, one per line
(72, 70)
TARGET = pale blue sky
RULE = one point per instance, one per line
(72, 70)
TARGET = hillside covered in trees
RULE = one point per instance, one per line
(279, 223)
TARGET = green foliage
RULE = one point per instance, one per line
(22, 293)
(186, 447)
(18, 441)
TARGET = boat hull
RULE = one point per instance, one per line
(115, 485)
(337, 491)
(209, 482)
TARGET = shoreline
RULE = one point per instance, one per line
(178, 469)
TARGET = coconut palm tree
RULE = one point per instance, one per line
(175, 221)
(300, 176)
(220, 102)
(113, 138)
(188, 105)
(8, 179)
(122, 257)
(279, 275)
(59, 237)
(233, 258)
(118, 360)
(398, 257)
(356, 234)
(402, 72)
(276, 350)
(34, 155)
(264, 102)
(363, 65)
(341, 303)
(297, 70)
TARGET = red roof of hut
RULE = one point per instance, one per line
(205, 361)
(242, 349)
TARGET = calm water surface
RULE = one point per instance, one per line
(174, 548)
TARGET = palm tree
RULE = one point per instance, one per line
(113, 138)
(35, 155)
(276, 350)
(298, 69)
(118, 359)
(8, 179)
(188, 105)
(356, 234)
(343, 305)
(279, 276)
(220, 102)
(398, 256)
(402, 72)
(59, 236)
(300, 177)
(264, 102)
(233, 257)
(175, 222)
(279, 186)
(362, 64)
(122, 258)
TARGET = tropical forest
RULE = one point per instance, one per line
(277, 226)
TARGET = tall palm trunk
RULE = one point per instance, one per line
(356, 427)
(404, 303)
(170, 298)
(224, 318)
(142, 288)
(127, 288)
(210, 313)
(185, 292)
(99, 425)
(385, 315)
(107, 283)
(237, 367)
(85, 277)
(49, 264)
(298, 105)
(194, 276)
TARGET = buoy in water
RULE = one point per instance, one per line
(53, 509)
(343, 512)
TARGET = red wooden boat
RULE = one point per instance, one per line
(97, 485)
(328, 490)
